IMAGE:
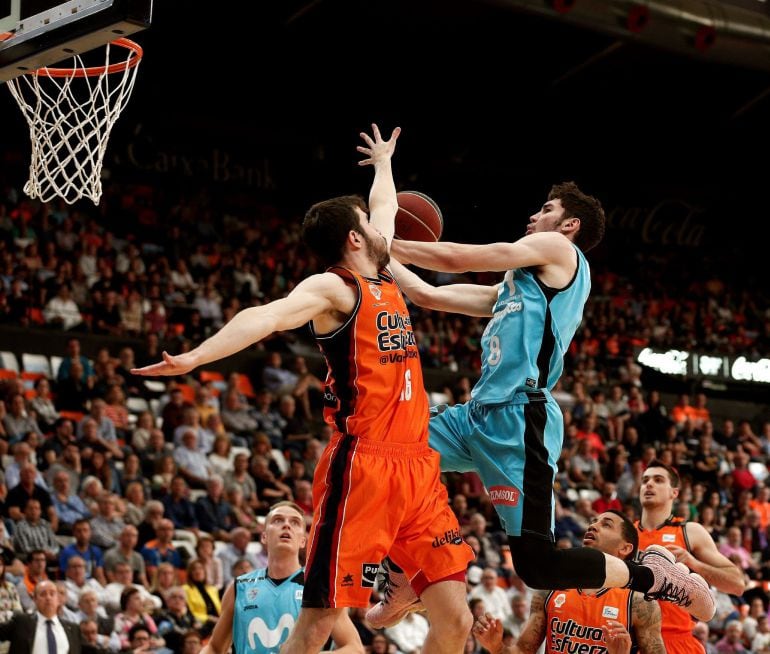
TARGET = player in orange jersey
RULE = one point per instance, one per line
(377, 486)
(692, 545)
(590, 621)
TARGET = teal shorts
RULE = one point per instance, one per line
(513, 447)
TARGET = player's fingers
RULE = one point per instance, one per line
(395, 134)
(367, 138)
(361, 148)
(376, 132)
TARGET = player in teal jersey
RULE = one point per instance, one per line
(511, 431)
(259, 608)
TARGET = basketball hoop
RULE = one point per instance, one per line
(70, 113)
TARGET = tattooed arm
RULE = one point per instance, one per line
(645, 619)
(489, 632)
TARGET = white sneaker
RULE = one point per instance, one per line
(673, 582)
(398, 598)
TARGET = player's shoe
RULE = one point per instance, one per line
(398, 598)
(673, 582)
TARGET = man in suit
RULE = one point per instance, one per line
(42, 632)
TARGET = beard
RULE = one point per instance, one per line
(378, 251)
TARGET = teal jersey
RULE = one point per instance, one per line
(524, 343)
(265, 611)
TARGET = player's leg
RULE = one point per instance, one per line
(311, 631)
(517, 463)
(450, 619)
(435, 557)
(446, 431)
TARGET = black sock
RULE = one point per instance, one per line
(640, 578)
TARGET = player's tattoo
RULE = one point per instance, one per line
(533, 634)
(646, 621)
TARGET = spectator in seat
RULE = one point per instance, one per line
(22, 455)
(69, 507)
(173, 413)
(192, 464)
(17, 422)
(236, 549)
(34, 533)
(73, 392)
(125, 552)
(43, 406)
(236, 415)
(178, 508)
(62, 312)
(86, 370)
(277, 379)
(35, 572)
(25, 490)
(77, 582)
(608, 500)
(91, 555)
(122, 579)
(204, 549)
(176, 620)
(106, 525)
(161, 549)
(213, 512)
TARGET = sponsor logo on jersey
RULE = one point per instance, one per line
(368, 574)
(669, 538)
(451, 537)
(507, 309)
(394, 331)
(251, 594)
(504, 495)
(269, 637)
(571, 637)
(298, 594)
(347, 581)
(610, 612)
(375, 290)
(559, 600)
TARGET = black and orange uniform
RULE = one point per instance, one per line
(677, 624)
(574, 619)
(377, 487)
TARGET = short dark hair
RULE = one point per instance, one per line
(629, 532)
(585, 207)
(327, 224)
(126, 595)
(287, 503)
(673, 475)
(139, 626)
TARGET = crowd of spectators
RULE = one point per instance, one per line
(143, 501)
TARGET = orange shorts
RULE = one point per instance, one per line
(682, 643)
(373, 498)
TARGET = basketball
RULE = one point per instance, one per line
(418, 217)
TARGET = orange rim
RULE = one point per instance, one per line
(133, 60)
(4, 36)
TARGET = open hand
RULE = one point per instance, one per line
(376, 149)
(489, 632)
(617, 638)
(176, 365)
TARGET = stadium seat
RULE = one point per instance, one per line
(36, 363)
(280, 460)
(154, 386)
(188, 393)
(437, 398)
(75, 416)
(245, 387)
(55, 365)
(137, 405)
(8, 361)
(211, 376)
(8, 374)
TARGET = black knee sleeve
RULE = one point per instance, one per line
(540, 565)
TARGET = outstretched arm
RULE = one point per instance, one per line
(383, 203)
(469, 299)
(532, 250)
(311, 297)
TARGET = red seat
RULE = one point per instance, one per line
(211, 376)
(7, 374)
(188, 393)
(75, 416)
(244, 386)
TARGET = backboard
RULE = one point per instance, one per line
(44, 32)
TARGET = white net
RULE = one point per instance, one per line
(70, 113)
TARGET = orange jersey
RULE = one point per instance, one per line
(573, 619)
(374, 387)
(676, 621)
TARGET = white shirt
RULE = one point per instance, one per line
(40, 645)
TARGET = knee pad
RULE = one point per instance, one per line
(541, 566)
